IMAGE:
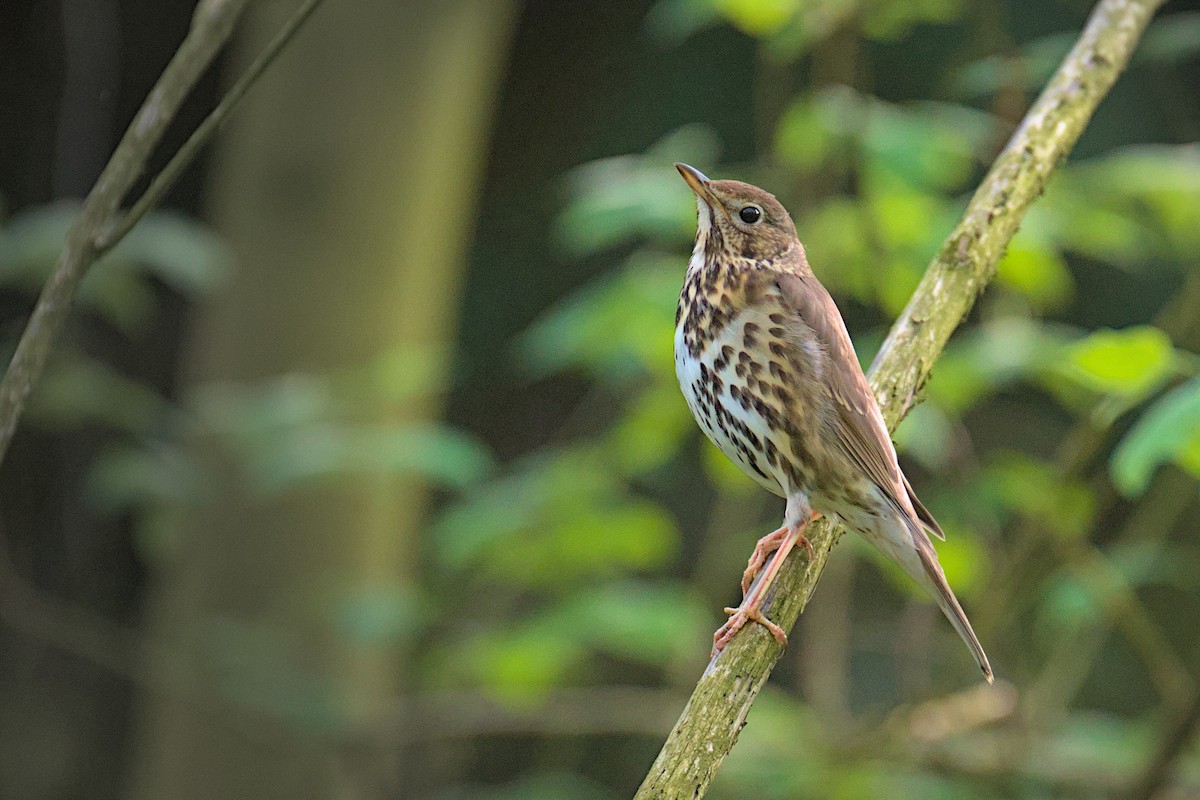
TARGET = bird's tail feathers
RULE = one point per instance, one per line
(936, 580)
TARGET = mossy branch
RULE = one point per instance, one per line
(717, 710)
(99, 225)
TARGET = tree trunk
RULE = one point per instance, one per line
(345, 188)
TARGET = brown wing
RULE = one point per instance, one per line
(923, 514)
(859, 428)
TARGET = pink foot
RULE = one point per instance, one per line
(763, 550)
(738, 617)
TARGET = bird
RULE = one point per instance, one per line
(768, 370)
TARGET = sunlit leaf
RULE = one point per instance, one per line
(802, 138)
(1128, 363)
(1040, 274)
(759, 17)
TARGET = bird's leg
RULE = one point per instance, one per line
(751, 607)
(767, 545)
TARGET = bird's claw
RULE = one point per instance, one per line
(738, 617)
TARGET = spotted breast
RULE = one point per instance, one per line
(739, 386)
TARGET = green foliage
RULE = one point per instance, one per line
(295, 430)
(573, 539)
(1128, 364)
(1168, 432)
(165, 247)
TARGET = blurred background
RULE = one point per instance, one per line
(362, 471)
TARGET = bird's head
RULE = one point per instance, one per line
(738, 219)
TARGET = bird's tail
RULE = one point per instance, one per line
(935, 579)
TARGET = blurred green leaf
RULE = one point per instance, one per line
(320, 451)
(927, 146)
(1168, 431)
(1169, 38)
(294, 429)
(886, 19)
(1039, 274)
(632, 196)
(836, 235)
(759, 17)
(1067, 606)
(802, 139)
(620, 328)
(926, 434)
(519, 664)
(648, 623)
(553, 522)
(965, 561)
(1016, 483)
(651, 430)
(79, 391)
(990, 356)
(1129, 363)
(124, 479)
(171, 248)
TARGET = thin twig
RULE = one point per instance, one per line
(212, 25)
(97, 228)
(717, 710)
(165, 179)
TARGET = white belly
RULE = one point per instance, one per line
(739, 439)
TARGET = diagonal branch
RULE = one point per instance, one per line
(717, 710)
(99, 226)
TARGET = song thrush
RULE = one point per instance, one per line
(769, 372)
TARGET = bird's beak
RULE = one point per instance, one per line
(698, 182)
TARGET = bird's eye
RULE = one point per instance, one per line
(750, 214)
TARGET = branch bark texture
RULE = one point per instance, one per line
(717, 710)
